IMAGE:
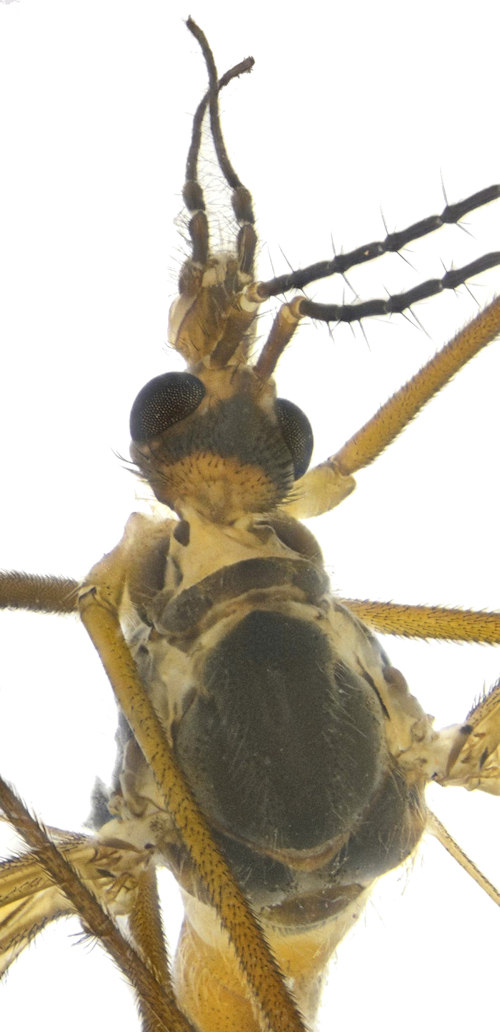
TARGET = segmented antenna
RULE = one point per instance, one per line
(192, 192)
(298, 307)
(393, 242)
(241, 198)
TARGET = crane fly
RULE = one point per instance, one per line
(215, 509)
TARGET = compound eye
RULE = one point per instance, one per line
(297, 434)
(164, 401)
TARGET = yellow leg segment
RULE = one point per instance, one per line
(38, 593)
(327, 484)
(427, 621)
(164, 1015)
(365, 445)
(99, 602)
(147, 933)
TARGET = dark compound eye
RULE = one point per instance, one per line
(164, 401)
(297, 434)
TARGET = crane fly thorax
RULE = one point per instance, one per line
(253, 643)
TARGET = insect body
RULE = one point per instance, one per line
(234, 579)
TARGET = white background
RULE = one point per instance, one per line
(352, 110)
